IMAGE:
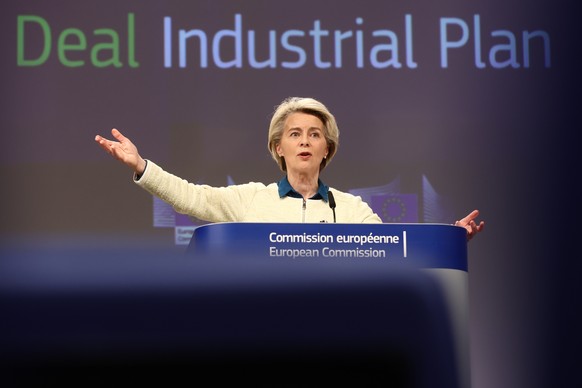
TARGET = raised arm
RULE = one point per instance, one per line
(123, 150)
(469, 223)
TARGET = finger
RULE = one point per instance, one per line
(118, 135)
(469, 217)
(100, 139)
(104, 143)
(470, 230)
(112, 147)
(476, 228)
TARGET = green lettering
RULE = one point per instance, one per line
(112, 46)
(20, 49)
(131, 41)
(62, 46)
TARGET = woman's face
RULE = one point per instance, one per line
(303, 143)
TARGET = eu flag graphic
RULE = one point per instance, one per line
(400, 208)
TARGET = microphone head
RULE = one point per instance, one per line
(331, 199)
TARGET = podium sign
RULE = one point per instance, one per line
(417, 245)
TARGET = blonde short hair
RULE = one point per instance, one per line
(303, 105)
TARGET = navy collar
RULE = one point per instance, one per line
(285, 190)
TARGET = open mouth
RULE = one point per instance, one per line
(305, 154)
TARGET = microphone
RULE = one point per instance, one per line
(331, 203)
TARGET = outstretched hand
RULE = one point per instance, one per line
(469, 223)
(123, 150)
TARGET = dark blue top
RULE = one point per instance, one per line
(285, 190)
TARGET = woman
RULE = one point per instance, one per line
(303, 138)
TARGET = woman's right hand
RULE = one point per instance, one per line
(123, 150)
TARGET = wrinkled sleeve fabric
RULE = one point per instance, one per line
(213, 204)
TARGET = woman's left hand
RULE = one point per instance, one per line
(469, 223)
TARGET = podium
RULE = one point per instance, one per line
(430, 251)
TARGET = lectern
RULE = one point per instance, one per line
(410, 255)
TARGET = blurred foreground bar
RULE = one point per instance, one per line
(86, 315)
